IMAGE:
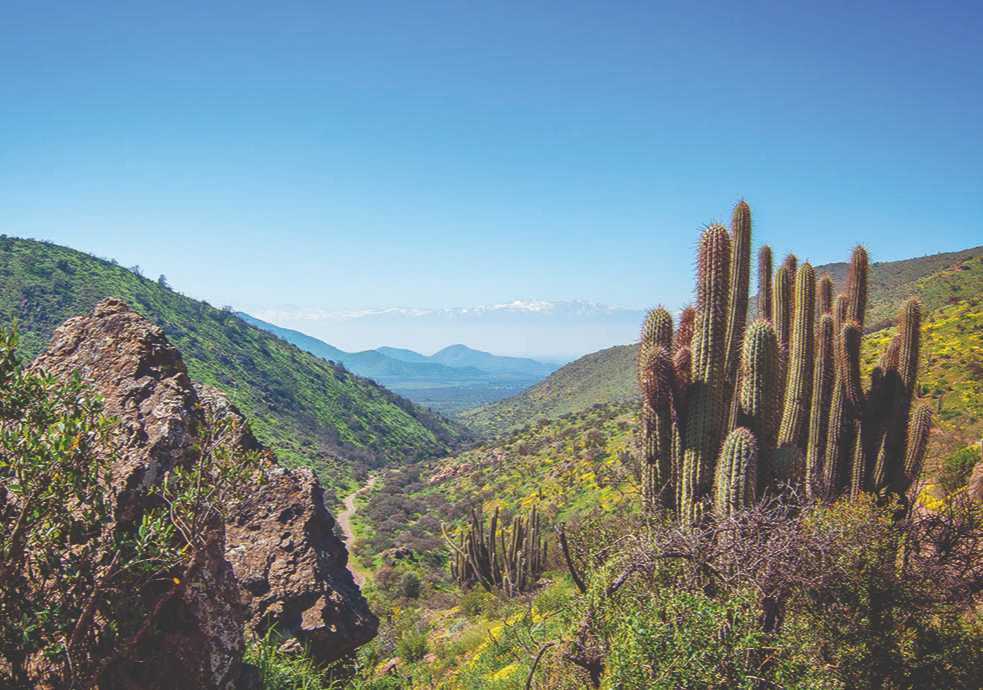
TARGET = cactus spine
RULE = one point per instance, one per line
(857, 287)
(824, 295)
(740, 277)
(782, 304)
(760, 394)
(918, 430)
(655, 377)
(798, 392)
(823, 378)
(891, 459)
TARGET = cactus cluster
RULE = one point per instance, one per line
(731, 409)
(497, 562)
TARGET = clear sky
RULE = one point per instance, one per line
(356, 155)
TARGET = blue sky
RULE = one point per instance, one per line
(345, 156)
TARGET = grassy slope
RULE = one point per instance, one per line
(601, 377)
(568, 467)
(308, 410)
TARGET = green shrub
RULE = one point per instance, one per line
(956, 467)
(282, 671)
(413, 646)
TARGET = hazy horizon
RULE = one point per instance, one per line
(538, 334)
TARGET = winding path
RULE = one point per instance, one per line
(345, 522)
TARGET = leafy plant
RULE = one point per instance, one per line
(956, 467)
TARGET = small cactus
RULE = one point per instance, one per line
(736, 474)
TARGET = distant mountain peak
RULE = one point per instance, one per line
(537, 307)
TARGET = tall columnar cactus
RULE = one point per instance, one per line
(687, 323)
(857, 287)
(918, 431)
(891, 458)
(823, 378)
(740, 280)
(706, 406)
(824, 295)
(798, 392)
(798, 397)
(843, 413)
(656, 378)
(759, 396)
(787, 465)
(736, 473)
(764, 283)
(782, 309)
(657, 329)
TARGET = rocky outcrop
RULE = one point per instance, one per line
(274, 562)
(291, 566)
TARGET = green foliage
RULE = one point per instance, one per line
(685, 639)
(955, 468)
(279, 670)
(788, 595)
(308, 410)
(412, 646)
(80, 587)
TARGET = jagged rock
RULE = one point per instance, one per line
(292, 567)
(274, 562)
(143, 382)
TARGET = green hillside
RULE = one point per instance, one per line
(607, 376)
(309, 411)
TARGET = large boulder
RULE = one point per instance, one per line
(275, 562)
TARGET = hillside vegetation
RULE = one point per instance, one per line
(786, 579)
(607, 376)
(309, 411)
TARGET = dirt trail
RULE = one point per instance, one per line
(345, 522)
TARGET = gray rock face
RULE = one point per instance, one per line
(275, 560)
